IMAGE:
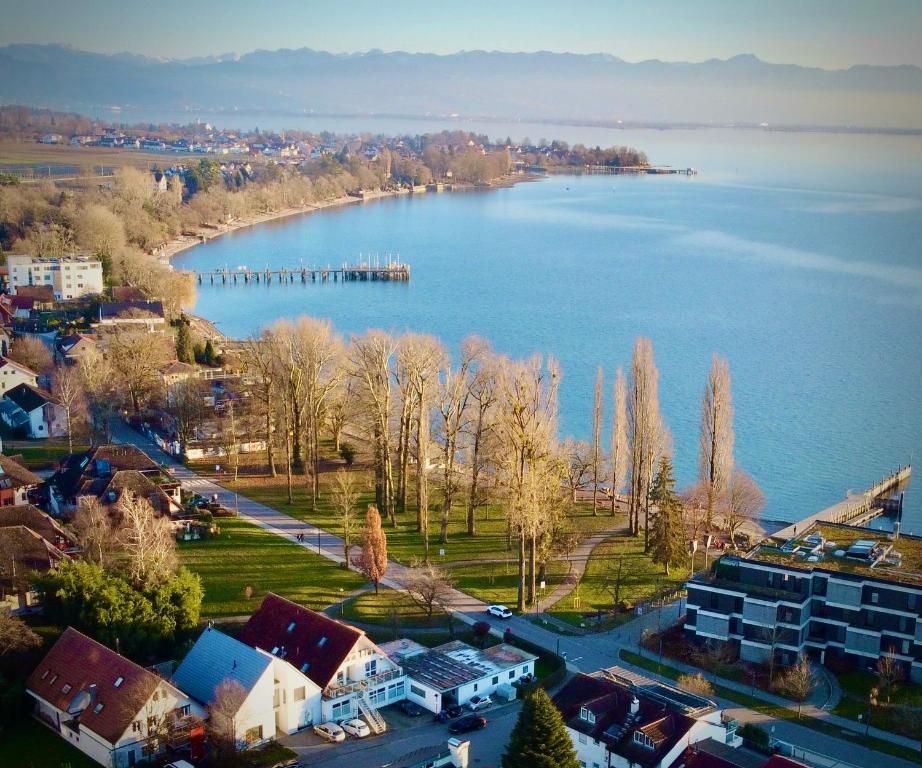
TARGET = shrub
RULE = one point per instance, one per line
(347, 451)
(755, 736)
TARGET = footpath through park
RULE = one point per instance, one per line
(582, 653)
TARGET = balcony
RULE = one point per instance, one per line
(337, 691)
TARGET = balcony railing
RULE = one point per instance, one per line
(336, 691)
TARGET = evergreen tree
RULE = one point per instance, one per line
(667, 539)
(540, 738)
(211, 358)
(185, 352)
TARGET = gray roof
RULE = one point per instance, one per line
(217, 657)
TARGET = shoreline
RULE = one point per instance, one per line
(171, 248)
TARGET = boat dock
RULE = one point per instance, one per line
(391, 272)
(857, 509)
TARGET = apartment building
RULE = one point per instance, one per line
(69, 276)
(834, 591)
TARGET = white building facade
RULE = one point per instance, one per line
(70, 276)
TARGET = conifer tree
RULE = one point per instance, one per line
(211, 357)
(185, 352)
(667, 539)
(373, 563)
(540, 738)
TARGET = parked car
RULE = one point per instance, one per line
(330, 731)
(448, 713)
(479, 702)
(500, 611)
(356, 727)
(467, 724)
(409, 708)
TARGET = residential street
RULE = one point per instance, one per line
(584, 653)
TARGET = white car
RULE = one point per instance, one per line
(330, 731)
(356, 727)
(500, 611)
(477, 703)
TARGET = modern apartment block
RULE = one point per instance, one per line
(70, 276)
(834, 591)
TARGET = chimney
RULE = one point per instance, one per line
(635, 705)
(459, 750)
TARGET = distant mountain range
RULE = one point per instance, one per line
(539, 86)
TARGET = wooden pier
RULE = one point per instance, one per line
(857, 509)
(391, 272)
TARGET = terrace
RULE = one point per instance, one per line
(860, 551)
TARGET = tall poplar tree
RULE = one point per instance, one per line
(619, 449)
(374, 548)
(596, 439)
(715, 454)
(540, 739)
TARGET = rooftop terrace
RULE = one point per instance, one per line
(861, 551)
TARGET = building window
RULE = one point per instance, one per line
(118, 681)
(371, 668)
(476, 685)
(511, 673)
(66, 688)
(253, 734)
(416, 691)
(98, 708)
(583, 739)
(322, 642)
(645, 741)
(299, 694)
(496, 680)
(587, 715)
(874, 597)
(136, 726)
(291, 627)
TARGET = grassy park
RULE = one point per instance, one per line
(243, 555)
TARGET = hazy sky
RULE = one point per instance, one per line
(825, 33)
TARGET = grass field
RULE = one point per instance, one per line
(641, 579)
(497, 582)
(856, 689)
(33, 153)
(404, 543)
(243, 555)
(41, 454)
(29, 744)
(387, 605)
(776, 711)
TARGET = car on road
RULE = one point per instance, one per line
(330, 731)
(500, 611)
(356, 727)
(409, 708)
(467, 724)
(479, 702)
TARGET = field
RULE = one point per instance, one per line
(15, 153)
(41, 454)
(641, 579)
(243, 555)
(29, 744)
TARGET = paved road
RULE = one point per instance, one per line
(582, 653)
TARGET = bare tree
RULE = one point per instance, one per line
(619, 447)
(797, 681)
(185, 405)
(94, 532)
(614, 576)
(694, 500)
(577, 458)
(597, 455)
(68, 390)
(370, 357)
(428, 587)
(258, 364)
(224, 714)
(715, 451)
(889, 671)
(102, 396)
(147, 540)
(483, 397)
(229, 435)
(745, 501)
(31, 352)
(454, 394)
(697, 684)
(16, 636)
(136, 358)
(645, 431)
(345, 494)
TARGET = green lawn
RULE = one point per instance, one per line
(404, 543)
(243, 555)
(29, 744)
(776, 711)
(498, 582)
(856, 687)
(641, 579)
(41, 454)
(382, 608)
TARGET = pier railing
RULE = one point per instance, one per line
(392, 272)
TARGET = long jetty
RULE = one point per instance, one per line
(391, 272)
(857, 509)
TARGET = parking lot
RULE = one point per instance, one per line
(403, 735)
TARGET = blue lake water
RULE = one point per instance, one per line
(796, 256)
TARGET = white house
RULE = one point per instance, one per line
(617, 719)
(355, 676)
(70, 276)
(34, 411)
(454, 672)
(13, 373)
(106, 706)
(262, 694)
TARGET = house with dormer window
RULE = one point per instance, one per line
(621, 720)
(111, 709)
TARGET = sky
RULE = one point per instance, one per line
(825, 33)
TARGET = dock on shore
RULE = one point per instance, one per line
(857, 509)
(391, 272)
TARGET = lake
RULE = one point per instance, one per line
(794, 255)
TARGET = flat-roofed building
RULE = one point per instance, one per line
(69, 276)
